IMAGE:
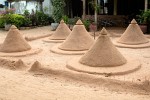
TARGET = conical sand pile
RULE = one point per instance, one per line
(36, 66)
(133, 37)
(103, 58)
(15, 45)
(103, 53)
(61, 32)
(78, 40)
(14, 42)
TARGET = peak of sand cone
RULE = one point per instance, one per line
(103, 31)
(133, 35)
(36, 65)
(13, 27)
(78, 40)
(133, 21)
(62, 21)
(61, 32)
(14, 42)
(79, 22)
(103, 53)
(20, 64)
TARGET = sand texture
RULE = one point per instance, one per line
(44, 76)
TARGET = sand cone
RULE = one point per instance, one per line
(14, 42)
(103, 58)
(103, 53)
(78, 40)
(133, 37)
(20, 65)
(36, 65)
(61, 32)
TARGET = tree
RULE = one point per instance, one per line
(58, 9)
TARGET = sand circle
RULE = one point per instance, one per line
(53, 41)
(20, 54)
(121, 45)
(129, 67)
(55, 49)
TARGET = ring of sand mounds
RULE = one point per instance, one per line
(78, 42)
(60, 34)
(133, 37)
(103, 58)
(15, 45)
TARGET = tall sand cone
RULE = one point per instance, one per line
(14, 42)
(61, 32)
(133, 35)
(103, 53)
(103, 58)
(78, 40)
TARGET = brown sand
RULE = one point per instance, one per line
(14, 42)
(103, 53)
(56, 82)
(78, 40)
(103, 58)
(61, 32)
(133, 35)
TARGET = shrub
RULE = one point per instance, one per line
(2, 22)
(58, 9)
(65, 18)
(41, 18)
(17, 20)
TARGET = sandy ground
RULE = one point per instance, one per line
(55, 82)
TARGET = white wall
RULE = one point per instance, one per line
(47, 4)
(2, 2)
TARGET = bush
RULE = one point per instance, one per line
(41, 18)
(86, 24)
(17, 20)
(2, 22)
(65, 18)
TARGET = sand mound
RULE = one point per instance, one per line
(103, 53)
(102, 58)
(61, 32)
(133, 35)
(14, 42)
(20, 65)
(78, 40)
(36, 65)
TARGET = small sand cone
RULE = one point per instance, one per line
(103, 58)
(61, 32)
(36, 65)
(133, 35)
(14, 42)
(103, 53)
(20, 65)
(78, 40)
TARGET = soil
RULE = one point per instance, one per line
(44, 76)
